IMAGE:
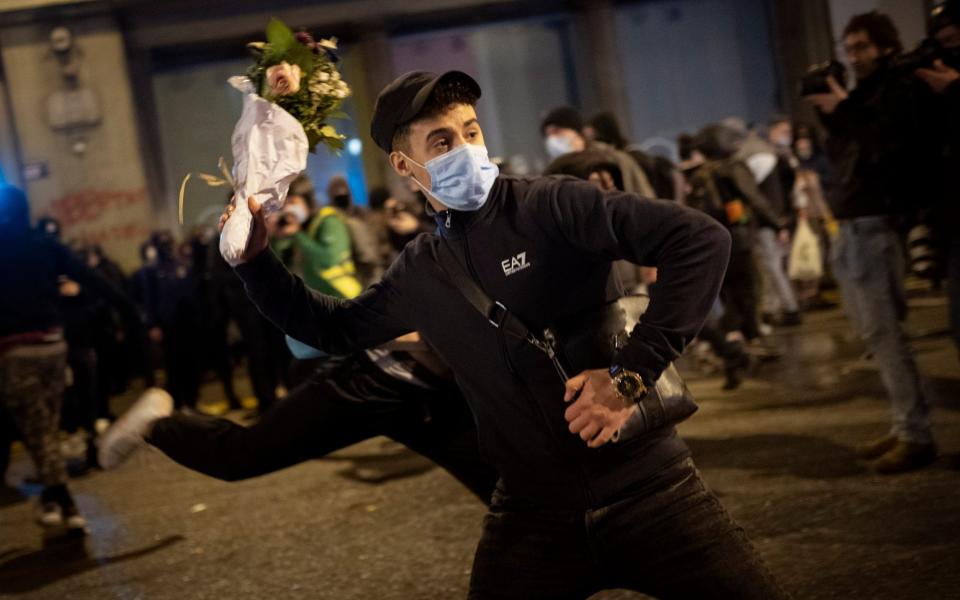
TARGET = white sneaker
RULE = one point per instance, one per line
(74, 520)
(126, 435)
(49, 514)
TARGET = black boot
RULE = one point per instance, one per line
(736, 363)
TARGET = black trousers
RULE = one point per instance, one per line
(182, 357)
(739, 293)
(267, 357)
(668, 538)
(346, 401)
(81, 402)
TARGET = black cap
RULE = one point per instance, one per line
(403, 99)
(566, 117)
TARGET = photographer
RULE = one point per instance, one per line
(879, 142)
(944, 80)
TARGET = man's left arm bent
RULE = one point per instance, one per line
(690, 251)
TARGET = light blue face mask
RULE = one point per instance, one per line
(558, 145)
(301, 351)
(461, 178)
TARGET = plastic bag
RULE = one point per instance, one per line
(269, 152)
(806, 259)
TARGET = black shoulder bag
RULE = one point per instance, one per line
(587, 341)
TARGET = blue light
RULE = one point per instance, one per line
(354, 146)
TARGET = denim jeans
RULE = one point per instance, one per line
(669, 538)
(777, 292)
(868, 263)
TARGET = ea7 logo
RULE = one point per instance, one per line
(515, 264)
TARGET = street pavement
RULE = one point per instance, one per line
(376, 521)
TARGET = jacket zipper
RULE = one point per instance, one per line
(501, 337)
(584, 486)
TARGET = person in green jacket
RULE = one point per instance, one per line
(322, 241)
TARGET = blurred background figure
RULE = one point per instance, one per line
(879, 191)
(666, 181)
(167, 289)
(33, 351)
(363, 240)
(212, 275)
(769, 160)
(562, 130)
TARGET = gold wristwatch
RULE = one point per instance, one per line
(628, 385)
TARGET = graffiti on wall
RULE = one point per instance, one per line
(118, 220)
(91, 206)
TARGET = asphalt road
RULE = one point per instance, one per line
(376, 521)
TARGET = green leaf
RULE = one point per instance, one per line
(301, 56)
(338, 115)
(279, 36)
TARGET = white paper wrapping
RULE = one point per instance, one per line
(269, 151)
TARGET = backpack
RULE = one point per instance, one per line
(714, 191)
(659, 171)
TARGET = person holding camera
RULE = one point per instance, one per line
(323, 241)
(879, 141)
(943, 78)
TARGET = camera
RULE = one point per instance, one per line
(285, 219)
(815, 81)
(921, 57)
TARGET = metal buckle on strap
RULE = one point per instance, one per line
(495, 317)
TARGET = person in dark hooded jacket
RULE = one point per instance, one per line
(33, 354)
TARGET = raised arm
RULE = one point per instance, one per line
(333, 325)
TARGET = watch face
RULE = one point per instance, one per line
(628, 386)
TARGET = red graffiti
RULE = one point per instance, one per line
(88, 205)
(126, 231)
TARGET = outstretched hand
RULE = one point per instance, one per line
(598, 411)
(259, 239)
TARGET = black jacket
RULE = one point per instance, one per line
(543, 247)
(884, 144)
(30, 266)
(947, 215)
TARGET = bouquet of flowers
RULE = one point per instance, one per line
(291, 92)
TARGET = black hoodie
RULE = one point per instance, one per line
(543, 247)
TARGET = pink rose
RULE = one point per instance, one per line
(283, 79)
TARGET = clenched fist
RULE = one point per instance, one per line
(259, 239)
(598, 412)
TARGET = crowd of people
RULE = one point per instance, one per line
(806, 207)
(182, 317)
